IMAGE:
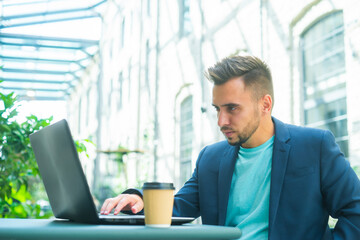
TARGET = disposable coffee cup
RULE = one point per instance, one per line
(158, 203)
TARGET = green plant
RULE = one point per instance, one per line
(357, 170)
(18, 169)
(81, 146)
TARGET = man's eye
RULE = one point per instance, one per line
(232, 109)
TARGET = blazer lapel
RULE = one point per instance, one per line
(226, 170)
(279, 163)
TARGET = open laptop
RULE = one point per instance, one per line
(65, 182)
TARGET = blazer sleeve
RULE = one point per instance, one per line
(186, 201)
(340, 187)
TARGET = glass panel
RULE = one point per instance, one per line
(185, 27)
(323, 111)
(324, 67)
(186, 137)
(185, 169)
(323, 50)
(46, 46)
(344, 146)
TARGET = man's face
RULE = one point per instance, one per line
(237, 110)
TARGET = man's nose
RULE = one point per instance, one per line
(223, 119)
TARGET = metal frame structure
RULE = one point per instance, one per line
(43, 67)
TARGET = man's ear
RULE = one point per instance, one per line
(266, 102)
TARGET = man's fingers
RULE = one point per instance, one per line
(122, 202)
(125, 201)
(105, 204)
(129, 202)
(109, 204)
(137, 207)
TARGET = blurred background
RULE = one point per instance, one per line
(128, 75)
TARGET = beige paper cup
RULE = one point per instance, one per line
(158, 203)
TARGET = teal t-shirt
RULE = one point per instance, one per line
(248, 206)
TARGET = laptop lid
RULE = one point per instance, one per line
(62, 173)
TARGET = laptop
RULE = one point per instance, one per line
(65, 182)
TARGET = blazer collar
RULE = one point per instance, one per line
(280, 156)
(226, 170)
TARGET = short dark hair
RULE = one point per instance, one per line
(255, 72)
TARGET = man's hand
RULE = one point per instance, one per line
(127, 202)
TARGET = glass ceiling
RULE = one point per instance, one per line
(45, 45)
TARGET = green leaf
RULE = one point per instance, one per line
(21, 195)
(19, 211)
(5, 128)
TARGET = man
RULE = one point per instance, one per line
(270, 179)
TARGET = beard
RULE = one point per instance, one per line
(249, 130)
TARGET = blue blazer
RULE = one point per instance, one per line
(310, 180)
